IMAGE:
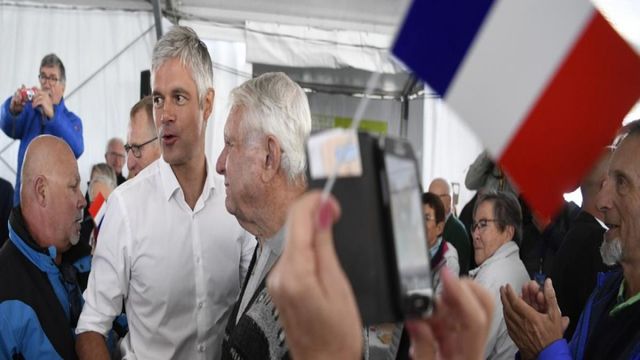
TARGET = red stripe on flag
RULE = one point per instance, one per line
(574, 118)
(96, 205)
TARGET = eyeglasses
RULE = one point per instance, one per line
(51, 79)
(481, 224)
(135, 149)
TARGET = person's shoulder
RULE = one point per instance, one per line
(143, 185)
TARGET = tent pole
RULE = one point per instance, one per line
(157, 16)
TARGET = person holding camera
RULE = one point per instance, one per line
(36, 111)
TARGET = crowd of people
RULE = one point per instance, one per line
(178, 262)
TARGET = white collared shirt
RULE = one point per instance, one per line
(178, 270)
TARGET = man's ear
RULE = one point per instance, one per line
(41, 190)
(272, 159)
(208, 103)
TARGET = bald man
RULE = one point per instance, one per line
(454, 231)
(40, 300)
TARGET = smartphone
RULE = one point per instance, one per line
(379, 238)
(407, 224)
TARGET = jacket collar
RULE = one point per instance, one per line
(40, 256)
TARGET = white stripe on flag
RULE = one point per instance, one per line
(518, 50)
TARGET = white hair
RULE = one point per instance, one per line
(183, 43)
(611, 251)
(275, 105)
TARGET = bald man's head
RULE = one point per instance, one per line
(440, 187)
(50, 196)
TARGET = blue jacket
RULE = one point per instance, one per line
(607, 287)
(40, 302)
(31, 123)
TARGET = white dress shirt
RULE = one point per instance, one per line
(178, 270)
(502, 268)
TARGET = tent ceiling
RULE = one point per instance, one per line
(345, 81)
(379, 16)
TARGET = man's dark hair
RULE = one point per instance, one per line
(53, 60)
(436, 204)
(506, 211)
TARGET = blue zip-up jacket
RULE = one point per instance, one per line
(40, 302)
(607, 287)
(32, 122)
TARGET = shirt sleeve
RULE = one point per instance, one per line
(110, 271)
(248, 246)
(13, 126)
(557, 350)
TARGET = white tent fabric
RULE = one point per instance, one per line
(304, 46)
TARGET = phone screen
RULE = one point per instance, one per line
(408, 226)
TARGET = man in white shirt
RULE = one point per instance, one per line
(263, 163)
(167, 246)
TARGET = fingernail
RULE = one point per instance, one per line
(411, 327)
(325, 216)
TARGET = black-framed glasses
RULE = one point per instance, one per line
(481, 224)
(51, 79)
(135, 148)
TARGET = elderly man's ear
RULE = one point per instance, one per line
(41, 190)
(272, 160)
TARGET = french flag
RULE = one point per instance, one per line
(544, 83)
(97, 210)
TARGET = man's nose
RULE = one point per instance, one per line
(603, 198)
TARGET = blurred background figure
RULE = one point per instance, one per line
(115, 156)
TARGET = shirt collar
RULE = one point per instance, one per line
(507, 249)
(276, 242)
(621, 303)
(170, 182)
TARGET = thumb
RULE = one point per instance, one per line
(552, 302)
(565, 323)
(423, 342)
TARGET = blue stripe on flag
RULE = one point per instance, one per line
(436, 36)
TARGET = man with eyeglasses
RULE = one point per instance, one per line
(32, 112)
(115, 156)
(142, 145)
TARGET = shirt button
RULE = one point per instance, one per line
(201, 348)
(200, 305)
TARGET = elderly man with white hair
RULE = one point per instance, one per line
(263, 162)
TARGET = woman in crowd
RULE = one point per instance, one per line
(496, 230)
(442, 253)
